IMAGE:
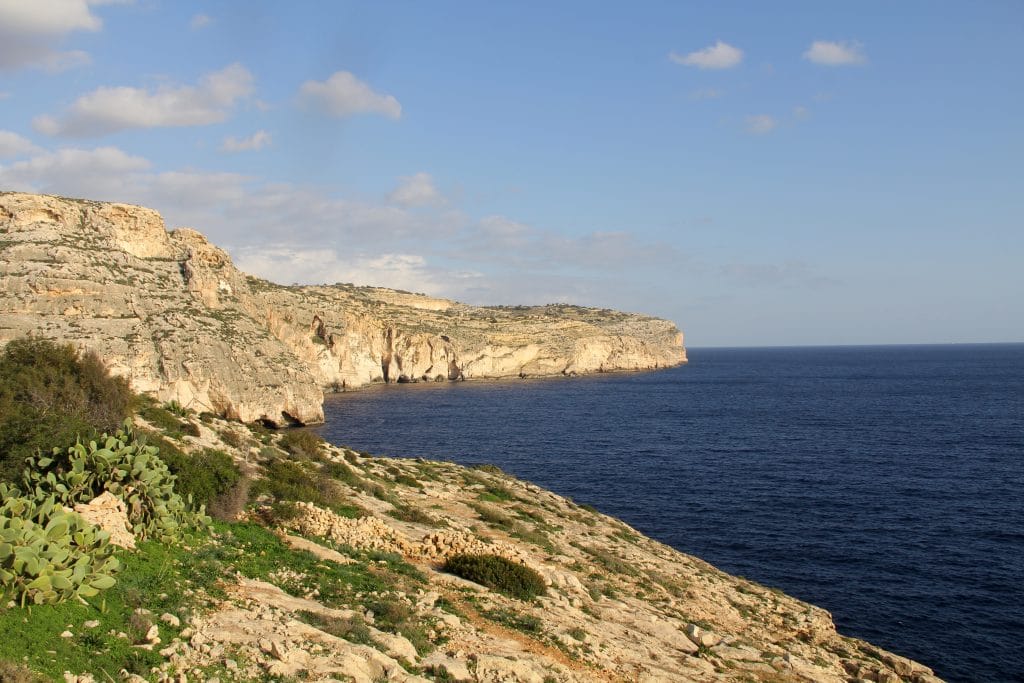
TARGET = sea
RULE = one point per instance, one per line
(883, 483)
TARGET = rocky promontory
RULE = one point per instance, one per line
(170, 312)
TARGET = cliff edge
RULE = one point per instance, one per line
(170, 312)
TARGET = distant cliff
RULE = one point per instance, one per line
(169, 311)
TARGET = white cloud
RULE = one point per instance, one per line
(30, 31)
(100, 173)
(47, 17)
(292, 233)
(718, 56)
(286, 265)
(110, 109)
(801, 113)
(200, 21)
(831, 53)
(416, 190)
(13, 145)
(345, 95)
(252, 143)
(759, 124)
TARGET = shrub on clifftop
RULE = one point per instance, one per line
(50, 394)
(499, 573)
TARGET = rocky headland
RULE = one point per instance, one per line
(170, 312)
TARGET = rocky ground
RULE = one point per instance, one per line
(618, 606)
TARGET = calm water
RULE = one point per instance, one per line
(885, 484)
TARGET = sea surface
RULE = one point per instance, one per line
(885, 484)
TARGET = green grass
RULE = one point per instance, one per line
(180, 579)
(158, 577)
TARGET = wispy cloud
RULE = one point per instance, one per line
(14, 145)
(200, 21)
(829, 53)
(345, 95)
(718, 56)
(416, 190)
(102, 172)
(429, 247)
(31, 31)
(111, 109)
(251, 143)
(760, 124)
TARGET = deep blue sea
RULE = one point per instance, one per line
(885, 484)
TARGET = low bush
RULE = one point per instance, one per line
(204, 476)
(302, 443)
(289, 481)
(50, 394)
(498, 573)
(167, 421)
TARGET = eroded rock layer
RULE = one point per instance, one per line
(169, 311)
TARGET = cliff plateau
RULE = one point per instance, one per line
(170, 312)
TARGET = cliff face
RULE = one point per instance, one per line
(169, 311)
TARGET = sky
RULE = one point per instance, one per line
(784, 173)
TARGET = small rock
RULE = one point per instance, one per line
(701, 636)
(67, 634)
(153, 634)
(92, 623)
(170, 620)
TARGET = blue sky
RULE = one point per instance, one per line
(760, 173)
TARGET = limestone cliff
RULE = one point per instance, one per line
(169, 311)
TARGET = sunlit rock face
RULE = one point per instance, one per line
(169, 311)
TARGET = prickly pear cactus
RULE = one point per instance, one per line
(126, 467)
(49, 554)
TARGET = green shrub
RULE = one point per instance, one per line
(49, 555)
(168, 421)
(499, 573)
(126, 467)
(231, 438)
(50, 394)
(204, 475)
(288, 480)
(408, 480)
(302, 443)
